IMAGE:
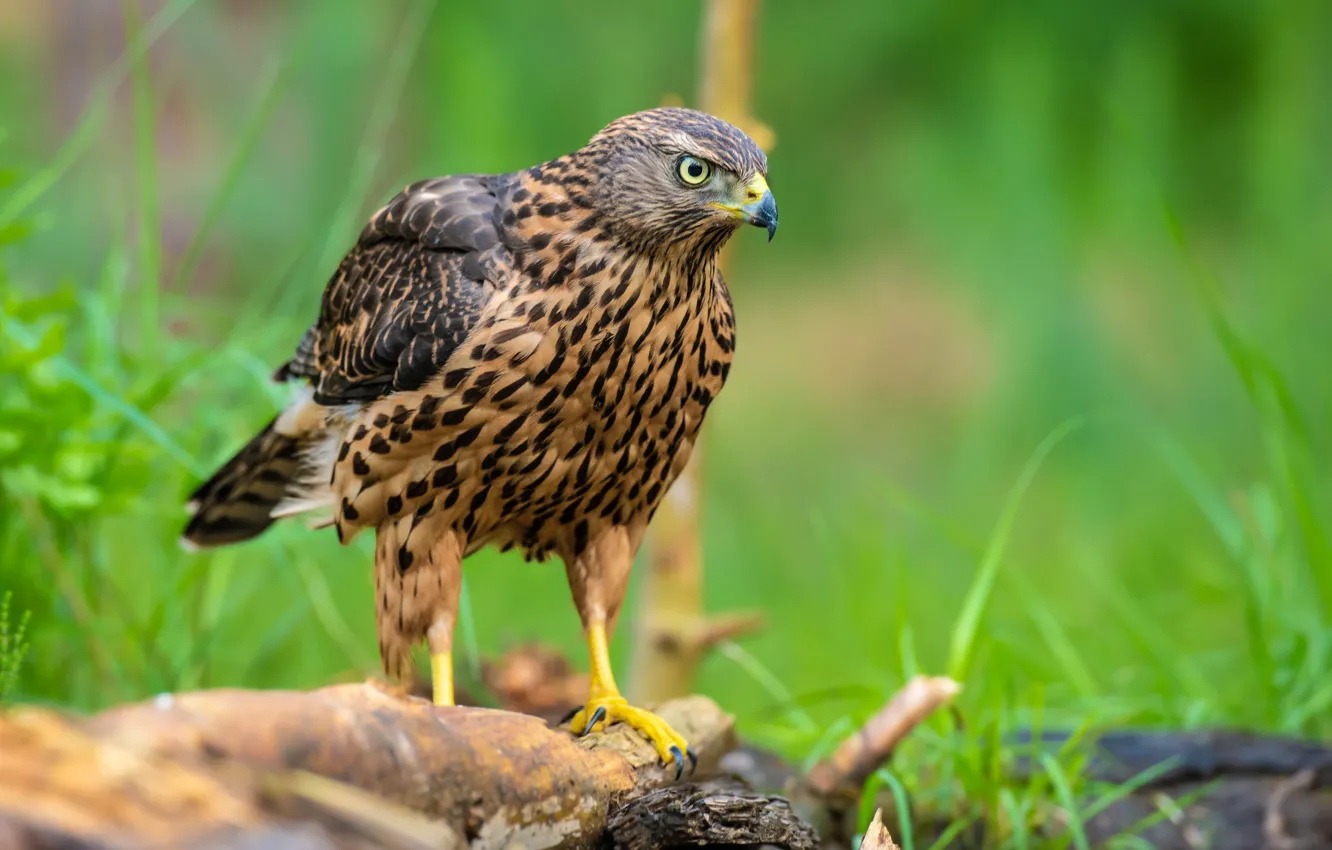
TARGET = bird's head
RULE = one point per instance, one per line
(680, 175)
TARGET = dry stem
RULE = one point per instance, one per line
(860, 755)
(673, 632)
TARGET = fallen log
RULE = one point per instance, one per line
(1220, 789)
(1207, 790)
(359, 766)
(345, 766)
(1203, 790)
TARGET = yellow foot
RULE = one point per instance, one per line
(601, 712)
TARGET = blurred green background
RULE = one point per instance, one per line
(1031, 388)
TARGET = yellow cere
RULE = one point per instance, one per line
(757, 188)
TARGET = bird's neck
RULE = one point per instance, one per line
(561, 242)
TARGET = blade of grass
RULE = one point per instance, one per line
(954, 829)
(1064, 794)
(93, 118)
(1191, 478)
(269, 92)
(406, 45)
(906, 651)
(1124, 789)
(827, 741)
(270, 298)
(963, 638)
(326, 611)
(1267, 388)
(103, 308)
(1018, 815)
(1056, 640)
(1148, 635)
(885, 777)
(149, 219)
(1170, 809)
(108, 399)
(769, 682)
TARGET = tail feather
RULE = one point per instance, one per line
(237, 503)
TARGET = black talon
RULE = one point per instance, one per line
(693, 760)
(596, 716)
(679, 762)
(570, 716)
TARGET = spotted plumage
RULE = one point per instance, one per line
(519, 360)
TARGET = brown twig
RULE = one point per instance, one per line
(727, 83)
(861, 754)
(1274, 817)
(828, 794)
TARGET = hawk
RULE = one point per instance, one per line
(518, 360)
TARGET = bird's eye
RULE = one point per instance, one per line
(693, 171)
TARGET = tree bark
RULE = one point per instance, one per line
(712, 813)
(345, 766)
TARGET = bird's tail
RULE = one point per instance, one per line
(269, 478)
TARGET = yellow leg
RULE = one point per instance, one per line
(441, 675)
(605, 706)
(598, 649)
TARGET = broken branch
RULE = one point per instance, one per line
(180, 767)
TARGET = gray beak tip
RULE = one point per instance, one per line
(765, 215)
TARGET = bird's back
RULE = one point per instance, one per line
(401, 301)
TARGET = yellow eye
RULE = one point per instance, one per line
(694, 171)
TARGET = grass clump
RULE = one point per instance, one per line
(13, 647)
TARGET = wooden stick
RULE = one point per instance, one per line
(673, 633)
(828, 796)
(860, 755)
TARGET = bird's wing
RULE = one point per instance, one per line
(407, 295)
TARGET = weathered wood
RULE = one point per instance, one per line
(60, 787)
(228, 762)
(708, 814)
(876, 835)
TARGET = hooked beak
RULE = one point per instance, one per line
(759, 208)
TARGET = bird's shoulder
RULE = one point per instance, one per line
(409, 292)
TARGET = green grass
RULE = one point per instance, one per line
(1113, 512)
(13, 648)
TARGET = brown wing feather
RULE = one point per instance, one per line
(408, 293)
(400, 302)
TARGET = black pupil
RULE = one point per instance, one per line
(695, 169)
